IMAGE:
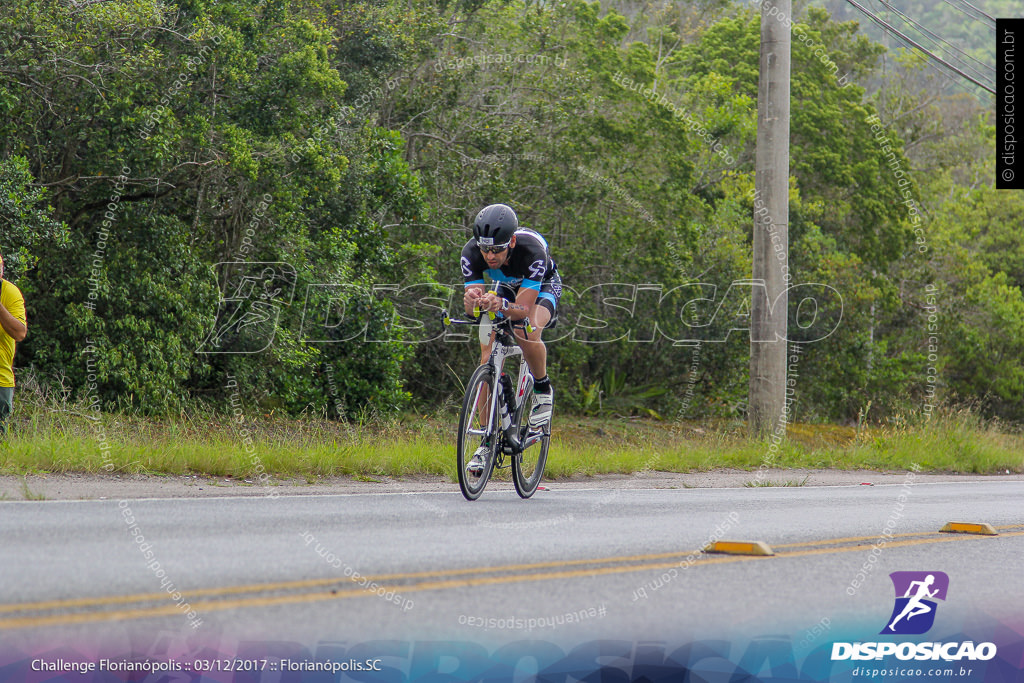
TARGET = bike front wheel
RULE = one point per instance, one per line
(528, 465)
(477, 427)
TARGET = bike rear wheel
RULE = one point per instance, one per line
(476, 424)
(528, 466)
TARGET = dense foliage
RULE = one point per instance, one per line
(263, 201)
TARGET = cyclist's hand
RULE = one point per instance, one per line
(471, 298)
(490, 302)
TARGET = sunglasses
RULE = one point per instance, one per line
(495, 249)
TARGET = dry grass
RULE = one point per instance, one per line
(51, 437)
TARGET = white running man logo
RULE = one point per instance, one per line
(914, 606)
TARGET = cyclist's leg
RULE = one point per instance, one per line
(534, 351)
(477, 464)
(505, 292)
(542, 315)
(485, 394)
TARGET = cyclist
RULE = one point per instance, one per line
(528, 285)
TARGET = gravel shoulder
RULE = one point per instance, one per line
(105, 487)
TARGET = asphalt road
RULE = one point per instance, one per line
(621, 561)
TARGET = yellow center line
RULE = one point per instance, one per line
(849, 539)
(854, 539)
(316, 583)
(67, 619)
(31, 622)
(896, 544)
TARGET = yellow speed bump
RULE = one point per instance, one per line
(739, 548)
(969, 528)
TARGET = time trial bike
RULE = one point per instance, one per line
(496, 414)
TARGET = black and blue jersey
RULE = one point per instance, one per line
(529, 265)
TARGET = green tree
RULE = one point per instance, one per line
(174, 140)
(26, 221)
(974, 266)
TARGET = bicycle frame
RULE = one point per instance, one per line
(497, 443)
(501, 350)
(504, 347)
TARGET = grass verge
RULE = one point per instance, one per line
(49, 440)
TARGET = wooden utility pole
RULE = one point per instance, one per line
(768, 316)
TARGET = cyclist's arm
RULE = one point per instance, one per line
(534, 261)
(472, 266)
(526, 299)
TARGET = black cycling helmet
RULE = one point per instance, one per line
(495, 225)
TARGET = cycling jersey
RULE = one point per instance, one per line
(529, 265)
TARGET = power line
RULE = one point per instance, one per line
(947, 77)
(970, 16)
(938, 39)
(979, 11)
(920, 47)
(889, 30)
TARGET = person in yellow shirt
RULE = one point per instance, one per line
(13, 328)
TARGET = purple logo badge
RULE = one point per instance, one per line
(916, 593)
